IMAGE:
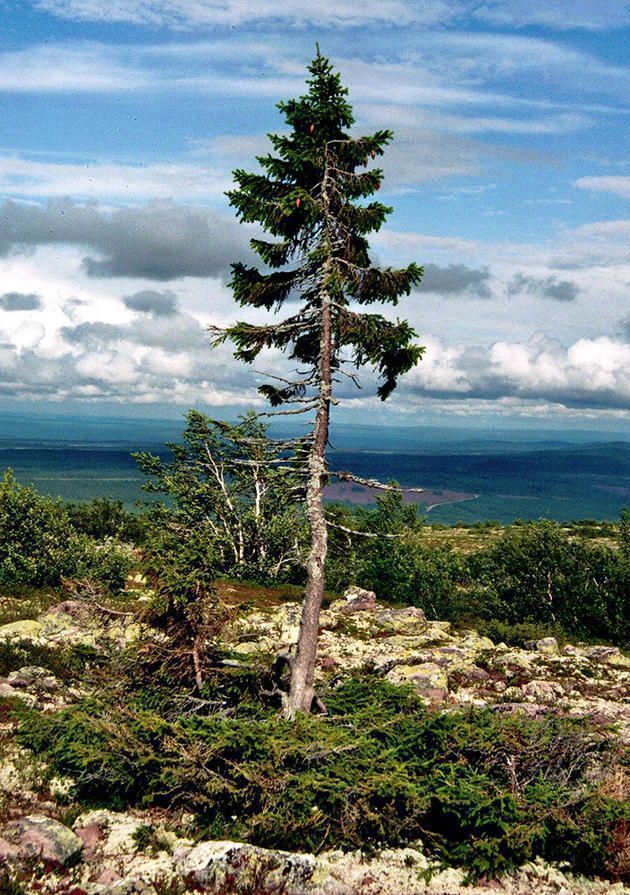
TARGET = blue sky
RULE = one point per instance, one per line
(508, 173)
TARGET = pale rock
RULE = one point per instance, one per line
(476, 643)
(76, 622)
(61, 787)
(225, 866)
(48, 839)
(26, 629)
(429, 679)
(9, 692)
(33, 677)
(359, 600)
(610, 655)
(118, 829)
(547, 646)
(543, 691)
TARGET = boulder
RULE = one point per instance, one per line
(26, 629)
(48, 839)
(611, 655)
(407, 622)
(547, 646)
(428, 678)
(9, 692)
(33, 677)
(543, 691)
(359, 600)
(235, 867)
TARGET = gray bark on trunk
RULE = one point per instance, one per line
(302, 693)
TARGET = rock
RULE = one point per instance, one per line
(107, 876)
(9, 692)
(129, 885)
(112, 830)
(543, 691)
(33, 677)
(74, 621)
(359, 600)
(8, 851)
(611, 655)
(474, 674)
(515, 659)
(476, 643)
(228, 867)
(429, 679)
(547, 646)
(90, 835)
(48, 839)
(27, 629)
(408, 621)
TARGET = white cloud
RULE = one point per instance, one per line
(562, 15)
(102, 180)
(589, 373)
(178, 14)
(81, 67)
(616, 184)
(191, 13)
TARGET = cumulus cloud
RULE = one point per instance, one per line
(589, 373)
(157, 241)
(20, 301)
(543, 287)
(456, 279)
(160, 304)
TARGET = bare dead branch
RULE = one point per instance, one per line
(374, 483)
(361, 534)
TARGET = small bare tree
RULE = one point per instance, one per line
(310, 199)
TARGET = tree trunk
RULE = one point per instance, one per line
(302, 693)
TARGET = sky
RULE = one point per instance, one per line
(122, 122)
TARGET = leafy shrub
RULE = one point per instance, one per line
(228, 487)
(535, 573)
(482, 790)
(65, 663)
(36, 537)
(106, 518)
(518, 634)
(39, 546)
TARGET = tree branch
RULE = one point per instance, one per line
(374, 483)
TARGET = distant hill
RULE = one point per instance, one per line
(469, 479)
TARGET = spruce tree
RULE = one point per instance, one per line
(311, 198)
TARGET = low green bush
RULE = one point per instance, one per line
(39, 546)
(482, 790)
(66, 663)
(518, 634)
(536, 573)
(104, 517)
